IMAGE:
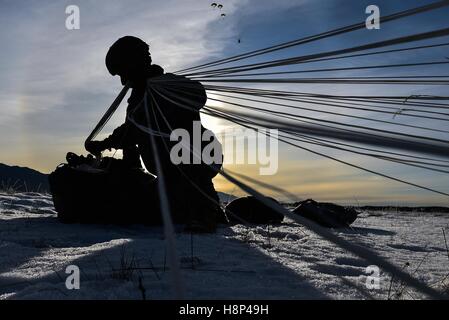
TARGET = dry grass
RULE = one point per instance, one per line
(127, 266)
(10, 187)
(398, 290)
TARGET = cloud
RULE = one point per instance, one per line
(54, 84)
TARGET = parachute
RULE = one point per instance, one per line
(219, 6)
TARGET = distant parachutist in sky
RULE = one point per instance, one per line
(219, 6)
(215, 5)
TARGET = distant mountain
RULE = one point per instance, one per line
(22, 179)
(438, 209)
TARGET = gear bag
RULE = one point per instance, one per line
(251, 210)
(328, 215)
(110, 192)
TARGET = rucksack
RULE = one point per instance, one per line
(108, 192)
(251, 210)
(328, 215)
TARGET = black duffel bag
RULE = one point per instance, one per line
(108, 192)
(328, 215)
(251, 210)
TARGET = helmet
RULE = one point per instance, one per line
(125, 50)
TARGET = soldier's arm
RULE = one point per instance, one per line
(121, 137)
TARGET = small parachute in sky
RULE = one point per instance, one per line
(219, 6)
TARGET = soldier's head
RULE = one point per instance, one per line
(129, 57)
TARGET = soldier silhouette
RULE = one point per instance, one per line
(160, 103)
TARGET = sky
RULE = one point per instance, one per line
(54, 86)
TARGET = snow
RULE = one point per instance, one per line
(240, 262)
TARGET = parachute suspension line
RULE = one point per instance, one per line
(169, 232)
(385, 157)
(347, 105)
(337, 123)
(242, 123)
(331, 113)
(158, 90)
(297, 130)
(312, 130)
(254, 181)
(295, 60)
(325, 70)
(444, 44)
(193, 152)
(115, 104)
(355, 249)
(294, 96)
(216, 113)
(355, 104)
(352, 146)
(398, 80)
(328, 34)
(286, 116)
(283, 93)
(332, 144)
(348, 102)
(313, 141)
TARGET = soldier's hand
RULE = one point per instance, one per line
(95, 147)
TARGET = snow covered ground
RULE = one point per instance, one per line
(281, 262)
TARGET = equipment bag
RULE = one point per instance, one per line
(328, 215)
(250, 210)
(108, 192)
